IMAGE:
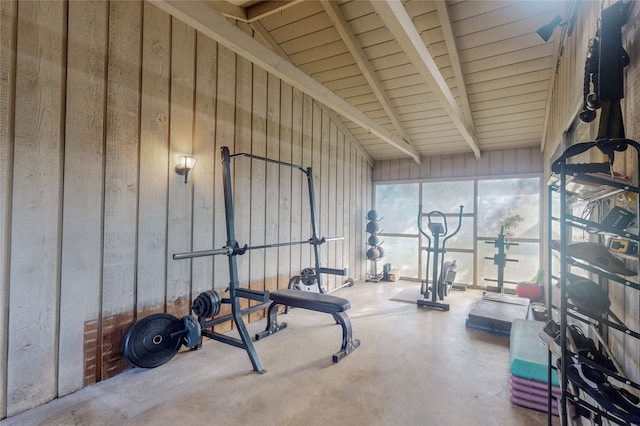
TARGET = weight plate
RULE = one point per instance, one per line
(192, 326)
(153, 340)
(309, 281)
(373, 240)
(207, 304)
(306, 281)
(373, 253)
(373, 227)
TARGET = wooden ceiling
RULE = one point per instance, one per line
(407, 78)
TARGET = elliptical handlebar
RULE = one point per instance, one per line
(444, 220)
(420, 225)
(444, 241)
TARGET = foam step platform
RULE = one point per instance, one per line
(496, 312)
(528, 354)
(532, 394)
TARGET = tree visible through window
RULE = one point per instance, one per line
(489, 205)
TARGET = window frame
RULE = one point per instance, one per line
(476, 239)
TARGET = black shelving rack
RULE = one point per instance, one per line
(566, 179)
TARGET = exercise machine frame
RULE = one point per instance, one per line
(233, 249)
(437, 229)
(502, 243)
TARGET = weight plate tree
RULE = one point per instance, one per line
(375, 252)
(153, 340)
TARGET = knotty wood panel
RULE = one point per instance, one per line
(35, 207)
(365, 206)
(180, 229)
(8, 28)
(339, 206)
(533, 78)
(285, 182)
(355, 222)
(242, 171)
(325, 50)
(225, 130)
(301, 27)
(258, 182)
(80, 271)
(513, 161)
(297, 182)
(322, 65)
(307, 155)
(121, 180)
(332, 196)
(272, 183)
(204, 176)
(154, 159)
(296, 45)
(322, 197)
(316, 166)
(515, 13)
(304, 10)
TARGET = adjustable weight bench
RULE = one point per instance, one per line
(319, 302)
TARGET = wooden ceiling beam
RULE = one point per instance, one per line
(253, 12)
(202, 17)
(229, 10)
(452, 50)
(266, 8)
(342, 26)
(399, 23)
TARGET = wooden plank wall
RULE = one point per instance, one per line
(98, 101)
(566, 103)
(8, 34)
(492, 163)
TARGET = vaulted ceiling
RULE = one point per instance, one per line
(406, 78)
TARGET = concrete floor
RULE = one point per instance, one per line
(415, 366)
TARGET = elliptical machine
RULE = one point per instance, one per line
(440, 284)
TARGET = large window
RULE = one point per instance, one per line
(489, 206)
(507, 203)
(446, 198)
(397, 206)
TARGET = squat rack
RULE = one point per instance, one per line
(233, 249)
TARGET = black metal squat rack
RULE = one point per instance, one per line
(155, 339)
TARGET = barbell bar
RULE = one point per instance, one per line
(230, 250)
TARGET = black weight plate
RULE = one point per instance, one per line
(153, 340)
(207, 304)
(193, 331)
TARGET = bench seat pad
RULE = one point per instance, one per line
(320, 302)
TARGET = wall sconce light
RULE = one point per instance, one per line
(185, 165)
(545, 32)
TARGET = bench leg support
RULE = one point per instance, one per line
(348, 342)
(272, 322)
